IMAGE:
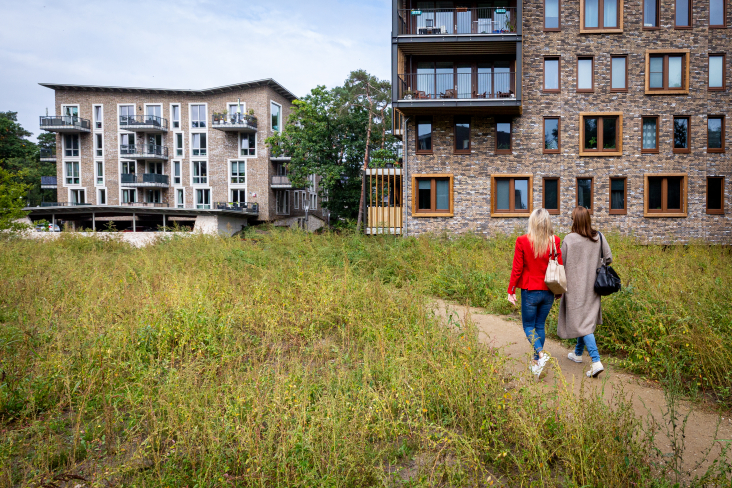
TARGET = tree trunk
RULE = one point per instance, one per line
(365, 167)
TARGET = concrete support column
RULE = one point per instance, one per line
(134, 219)
(94, 222)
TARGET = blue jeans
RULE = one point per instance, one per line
(535, 307)
(589, 341)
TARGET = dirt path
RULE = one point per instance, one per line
(508, 334)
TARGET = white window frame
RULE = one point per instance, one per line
(63, 146)
(94, 116)
(121, 195)
(177, 190)
(180, 175)
(231, 173)
(193, 143)
(119, 114)
(248, 135)
(98, 148)
(272, 129)
(64, 105)
(296, 203)
(96, 173)
(106, 196)
(313, 201)
(82, 190)
(153, 104)
(133, 162)
(66, 173)
(200, 183)
(231, 194)
(180, 117)
(182, 144)
(149, 191)
(195, 197)
(205, 117)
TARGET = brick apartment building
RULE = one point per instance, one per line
(139, 149)
(616, 105)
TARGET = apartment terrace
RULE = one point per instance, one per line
(234, 122)
(145, 180)
(48, 155)
(422, 24)
(65, 123)
(143, 151)
(143, 123)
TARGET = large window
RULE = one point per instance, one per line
(667, 72)
(682, 14)
(176, 173)
(600, 15)
(77, 197)
(665, 195)
(198, 116)
(98, 117)
(276, 116)
(248, 145)
(551, 195)
(601, 134)
(511, 195)
(238, 172)
(180, 201)
(682, 133)
(584, 193)
(203, 198)
(585, 74)
(179, 144)
(717, 14)
(98, 145)
(433, 195)
(424, 135)
(129, 196)
(651, 10)
(619, 77)
(199, 144)
(71, 145)
(101, 196)
(649, 134)
(715, 134)
(462, 134)
(503, 137)
(175, 115)
(715, 194)
(717, 80)
(552, 15)
(552, 141)
(200, 172)
(126, 114)
(72, 173)
(100, 173)
(618, 196)
(551, 74)
(447, 79)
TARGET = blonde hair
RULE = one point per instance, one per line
(540, 231)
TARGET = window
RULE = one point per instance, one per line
(619, 78)
(585, 75)
(238, 172)
(154, 196)
(584, 193)
(681, 135)
(127, 144)
(551, 75)
(199, 144)
(72, 173)
(601, 134)
(126, 114)
(715, 134)
(424, 135)
(600, 15)
(551, 15)
(238, 196)
(433, 195)
(179, 144)
(665, 195)
(297, 200)
(462, 134)
(203, 198)
(128, 167)
(180, 198)
(716, 72)
(618, 196)
(100, 173)
(552, 143)
(503, 137)
(153, 115)
(176, 173)
(200, 173)
(102, 196)
(248, 145)
(651, 10)
(276, 116)
(551, 195)
(175, 115)
(717, 14)
(98, 117)
(511, 195)
(77, 197)
(715, 194)
(129, 196)
(649, 142)
(71, 145)
(198, 116)
(282, 202)
(667, 72)
(155, 168)
(313, 201)
(98, 145)
(682, 14)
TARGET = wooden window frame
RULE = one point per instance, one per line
(618, 90)
(510, 139)
(417, 150)
(715, 211)
(687, 149)
(724, 16)
(658, 125)
(514, 214)
(598, 152)
(559, 135)
(610, 209)
(691, 16)
(724, 129)
(559, 19)
(724, 71)
(586, 90)
(685, 72)
(416, 212)
(600, 29)
(559, 75)
(461, 118)
(658, 15)
(543, 194)
(684, 193)
(592, 192)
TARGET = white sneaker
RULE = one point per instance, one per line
(536, 370)
(597, 368)
(544, 358)
(573, 357)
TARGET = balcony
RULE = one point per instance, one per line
(235, 122)
(281, 182)
(147, 180)
(49, 182)
(143, 123)
(461, 21)
(143, 151)
(237, 207)
(66, 123)
(48, 155)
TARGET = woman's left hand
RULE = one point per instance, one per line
(512, 298)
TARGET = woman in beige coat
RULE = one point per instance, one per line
(580, 310)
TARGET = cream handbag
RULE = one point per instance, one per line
(555, 279)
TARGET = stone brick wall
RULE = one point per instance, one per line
(472, 172)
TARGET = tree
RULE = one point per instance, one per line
(12, 200)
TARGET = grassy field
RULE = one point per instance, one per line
(298, 360)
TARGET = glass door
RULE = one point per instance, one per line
(154, 114)
(463, 19)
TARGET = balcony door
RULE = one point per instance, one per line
(154, 167)
(154, 114)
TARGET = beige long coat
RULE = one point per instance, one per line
(580, 309)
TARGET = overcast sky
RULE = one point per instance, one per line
(184, 44)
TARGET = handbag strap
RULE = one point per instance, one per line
(602, 252)
(554, 249)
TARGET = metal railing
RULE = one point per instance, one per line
(237, 207)
(143, 151)
(279, 180)
(48, 154)
(145, 178)
(144, 204)
(49, 180)
(430, 86)
(233, 120)
(63, 204)
(65, 121)
(143, 122)
(446, 21)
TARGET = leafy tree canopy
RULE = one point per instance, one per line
(12, 200)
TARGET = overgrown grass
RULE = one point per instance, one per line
(289, 360)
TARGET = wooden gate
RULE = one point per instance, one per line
(383, 200)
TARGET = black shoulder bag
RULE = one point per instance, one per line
(607, 281)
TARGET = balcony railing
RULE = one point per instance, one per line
(448, 21)
(63, 204)
(144, 204)
(65, 123)
(237, 207)
(151, 123)
(143, 151)
(234, 122)
(48, 155)
(146, 179)
(49, 182)
(432, 86)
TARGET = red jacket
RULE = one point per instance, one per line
(528, 272)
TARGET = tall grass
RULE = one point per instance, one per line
(291, 360)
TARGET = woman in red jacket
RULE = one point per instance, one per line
(530, 260)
